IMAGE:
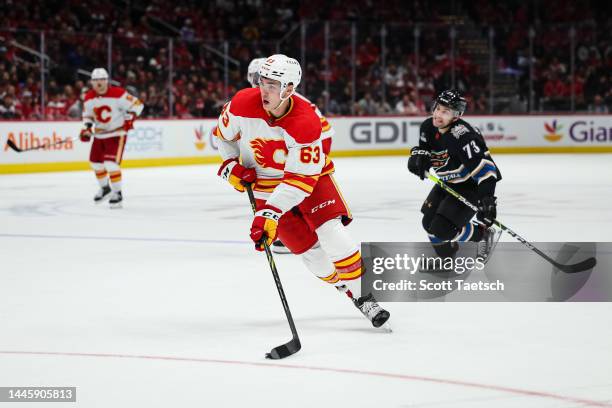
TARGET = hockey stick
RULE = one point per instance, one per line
(16, 148)
(294, 345)
(573, 268)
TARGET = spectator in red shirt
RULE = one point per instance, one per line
(367, 53)
(27, 108)
(555, 92)
(57, 107)
(181, 107)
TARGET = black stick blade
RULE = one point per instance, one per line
(13, 146)
(285, 350)
(579, 267)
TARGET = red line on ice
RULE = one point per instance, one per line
(509, 390)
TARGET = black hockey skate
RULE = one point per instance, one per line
(489, 241)
(372, 310)
(102, 194)
(116, 200)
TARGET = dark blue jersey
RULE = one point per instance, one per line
(460, 156)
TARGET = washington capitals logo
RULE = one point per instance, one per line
(200, 144)
(270, 153)
(553, 129)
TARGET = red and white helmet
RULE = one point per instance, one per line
(284, 69)
(253, 71)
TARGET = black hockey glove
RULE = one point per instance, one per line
(487, 210)
(419, 161)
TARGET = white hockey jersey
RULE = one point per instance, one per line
(286, 152)
(108, 112)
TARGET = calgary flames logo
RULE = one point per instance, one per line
(270, 153)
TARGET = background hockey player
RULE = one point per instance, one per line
(460, 157)
(326, 130)
(272, 139)
(108, 114)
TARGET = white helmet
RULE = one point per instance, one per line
(284, 69)
(253, 71)
(99, 73)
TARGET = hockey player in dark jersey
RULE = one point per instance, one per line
(458, 154)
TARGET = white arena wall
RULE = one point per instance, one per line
(175, 142)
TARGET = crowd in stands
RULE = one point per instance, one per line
(149, 39)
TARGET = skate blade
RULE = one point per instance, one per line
(103, 199)
(385, 328)
(496, 237)
(116, 206)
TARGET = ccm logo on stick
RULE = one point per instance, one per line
(322, 205)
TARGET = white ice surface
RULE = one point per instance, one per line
(165, 303)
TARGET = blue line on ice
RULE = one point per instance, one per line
(178, 240)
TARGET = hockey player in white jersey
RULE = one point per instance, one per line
(270, 138)
(326, 132)
(108, 114)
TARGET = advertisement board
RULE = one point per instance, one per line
(511, 134)
(173, 142)
(150, 143)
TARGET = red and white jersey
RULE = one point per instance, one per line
(326, 130)
(109, 111)
(286, 152)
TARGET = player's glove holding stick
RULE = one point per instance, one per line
(236, 174)
(85, 135)
(487, 210)
(128, 123)
(419, 162)
(265, 225)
